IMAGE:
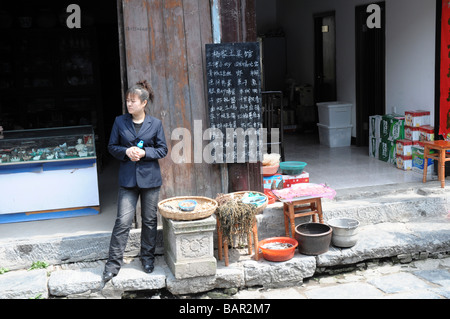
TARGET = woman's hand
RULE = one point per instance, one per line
(135, 153)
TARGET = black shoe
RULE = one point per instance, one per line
(148, 268)
(107, 276)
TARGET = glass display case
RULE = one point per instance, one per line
(48, 173)
(44, 145)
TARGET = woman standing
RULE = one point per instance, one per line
(137, 141)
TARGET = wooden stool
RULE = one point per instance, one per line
(313, 207)
(223, 241)
(441, 147)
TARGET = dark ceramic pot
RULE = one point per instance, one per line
(313, 238)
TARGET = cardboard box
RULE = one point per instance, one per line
(289, 180)
(403, 147)
(418, 161)
(404, 162)
(392, 127)
(412, 133)
(374, 144)
(386, 151)
(417, 118)
(426, 133)
(268, 180)
(374, 125)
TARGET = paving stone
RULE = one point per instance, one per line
(283, 293)
(420, 294)
(400, 282)
(345, 291)
(69, 282)
(279, 274)
(132, 277)
(229, 277)
(24, 284)
(444, 291)
(436, 276)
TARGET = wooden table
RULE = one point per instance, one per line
(441, 156)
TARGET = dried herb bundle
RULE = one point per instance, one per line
(236, 218)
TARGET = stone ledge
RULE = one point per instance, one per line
(399, 240)
(23, 284)
(412, 202)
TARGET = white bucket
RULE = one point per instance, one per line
(345, 232)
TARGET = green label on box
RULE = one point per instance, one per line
(386, 151)
(392, 127)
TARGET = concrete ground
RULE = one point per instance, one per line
(421, 279)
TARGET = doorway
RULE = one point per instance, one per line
(325, 57)
(370, 71)
(55, 76)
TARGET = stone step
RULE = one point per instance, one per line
(370, 205)
(404, 241)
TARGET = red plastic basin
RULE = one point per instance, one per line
(278, 254)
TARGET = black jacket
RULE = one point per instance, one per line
(146, 172)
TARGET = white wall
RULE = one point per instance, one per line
(410, 55)
(410, 48)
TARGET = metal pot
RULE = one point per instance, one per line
(313, 238)
(345, 232)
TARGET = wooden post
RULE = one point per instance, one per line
(238, 23)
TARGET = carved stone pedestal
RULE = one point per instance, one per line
(188, 247)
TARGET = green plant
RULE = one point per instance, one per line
(38, 265)
(3, 270)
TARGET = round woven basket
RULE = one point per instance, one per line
(239, 195)
(168, 208)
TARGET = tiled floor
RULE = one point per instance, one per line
(343, 167)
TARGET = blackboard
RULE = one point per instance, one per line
(234, 99)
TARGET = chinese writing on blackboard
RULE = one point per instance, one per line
(234, 98)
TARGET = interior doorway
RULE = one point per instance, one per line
(370, 71)
(325, 57)
(55, 76)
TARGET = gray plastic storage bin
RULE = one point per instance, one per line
(335, 114)
(335, 136)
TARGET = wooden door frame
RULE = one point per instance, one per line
(437, 89)
(316, 49)
(238, 24)
(358, 49)
(122, 54)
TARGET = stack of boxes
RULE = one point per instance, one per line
(399, 139)
(385, 131)
(418, 130)
(374, 135)
(403, 149)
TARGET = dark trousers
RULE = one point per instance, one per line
(126, 210)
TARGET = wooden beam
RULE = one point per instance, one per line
(238, 23)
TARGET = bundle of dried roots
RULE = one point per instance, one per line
(236, 219)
